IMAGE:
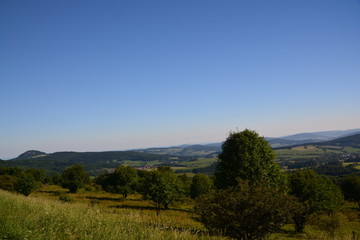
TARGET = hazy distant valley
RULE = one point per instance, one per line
(294, 151)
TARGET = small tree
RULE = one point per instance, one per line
(201, 185)
(246, 155)
(25, 184)
(245, 211)
(351, 188)
(316, 193)
(74, 177)
(162, 187)
(124, 180)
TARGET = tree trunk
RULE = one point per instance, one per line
(299, 223)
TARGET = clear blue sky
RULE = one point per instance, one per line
(114, 75)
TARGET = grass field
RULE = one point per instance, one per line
(100, 215)
(311, 151)
(38, 217)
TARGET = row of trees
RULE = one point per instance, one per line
(160, 185)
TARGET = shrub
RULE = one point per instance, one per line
(74, 177)
(66, 198)
(26, 184)
(245, 211)
(316, 193)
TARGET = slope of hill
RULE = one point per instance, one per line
(93, 162)
(31, 154)
(280, 142)
(213, 149)
(322, 136)
(349, 141)
(197, 150)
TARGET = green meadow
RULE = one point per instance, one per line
(53, 213)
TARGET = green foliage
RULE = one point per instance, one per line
(13, 171)
(7, 182)
(351, 188)
(39, 175)
(247, 156)
(25, 184)
(245, 211)
(186, 183)
(162, 187)
(315, 193)
(124, 180)
(328, 222)
(74, 177)
(201, 185)
(57, 179)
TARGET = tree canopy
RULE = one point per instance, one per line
(123, 180)
(74, 177)
(351, 188)
(245, 155)
(201, 185)
(245, 211)
(316, 193)
(162, 187)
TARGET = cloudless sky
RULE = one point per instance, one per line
(114, 75)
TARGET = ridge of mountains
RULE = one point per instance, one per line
(286, 141)
(97, 162)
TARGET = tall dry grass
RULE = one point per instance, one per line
(35, 218)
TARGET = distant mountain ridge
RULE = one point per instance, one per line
(322, 136)
(97, 162)
(212, 149)
(348, 141)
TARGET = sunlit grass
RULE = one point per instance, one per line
(39, 218)
(101, 215)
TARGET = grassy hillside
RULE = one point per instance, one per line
(39, 218)
(99, 215)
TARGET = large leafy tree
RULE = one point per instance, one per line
(25, 184)
(245, 211)
(74, 177)
(315, 193)
(245, 155)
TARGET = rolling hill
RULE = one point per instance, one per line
(322, 136)
(93, 162)
(349, 141)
